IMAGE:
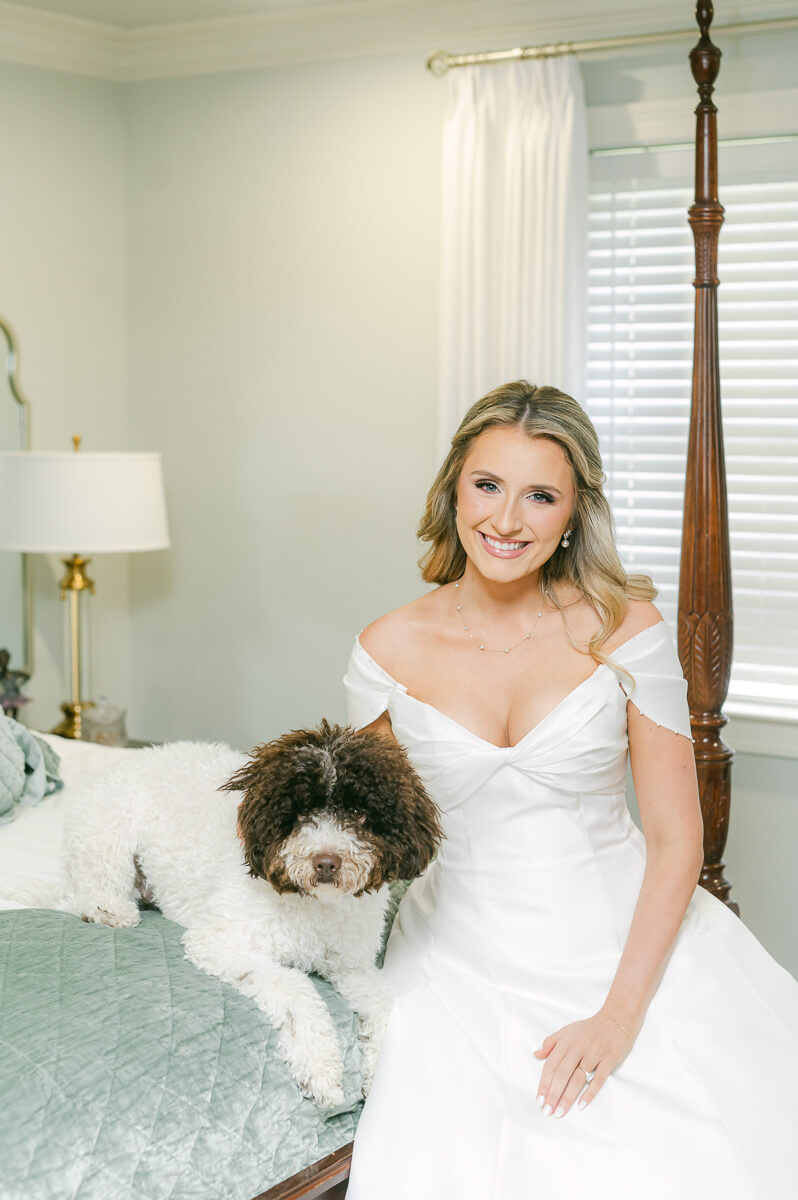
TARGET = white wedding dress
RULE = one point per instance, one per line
(517, 928)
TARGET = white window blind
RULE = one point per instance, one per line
(641, 304)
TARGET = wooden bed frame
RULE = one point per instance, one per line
(325, 1178)
(705, 591)
(705, 586)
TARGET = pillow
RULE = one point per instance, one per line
(31, 872)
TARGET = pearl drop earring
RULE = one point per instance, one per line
(565, 541)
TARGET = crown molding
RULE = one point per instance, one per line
(360, 29)
(324, 31)
(36, 38)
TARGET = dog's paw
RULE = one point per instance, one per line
(123, 915)
(324, 1094)
(322, 1081)
(314, 1060)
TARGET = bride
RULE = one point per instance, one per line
(554, 961)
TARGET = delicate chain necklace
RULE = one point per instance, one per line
(507, 649)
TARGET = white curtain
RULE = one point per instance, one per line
(515, 215)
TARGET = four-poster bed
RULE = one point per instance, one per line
(705, 593)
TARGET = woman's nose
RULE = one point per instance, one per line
(507, 519)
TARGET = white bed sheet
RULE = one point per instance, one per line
(30, 846)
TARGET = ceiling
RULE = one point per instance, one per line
(136, 14)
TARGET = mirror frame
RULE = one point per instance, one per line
(12, 361)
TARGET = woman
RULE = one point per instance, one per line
(574, 1016)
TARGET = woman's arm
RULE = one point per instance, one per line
(666, 786)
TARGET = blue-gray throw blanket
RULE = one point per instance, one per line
(28, 768)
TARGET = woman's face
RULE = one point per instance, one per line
(515, 495)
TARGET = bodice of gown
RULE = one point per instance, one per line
(539, 846)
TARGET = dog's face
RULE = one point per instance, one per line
(332, 810)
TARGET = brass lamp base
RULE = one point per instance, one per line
(72, 724)
(74, 584)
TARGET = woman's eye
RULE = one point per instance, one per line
(484, 484)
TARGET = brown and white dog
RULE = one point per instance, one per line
(276, 864)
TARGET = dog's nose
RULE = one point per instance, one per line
(326, 866)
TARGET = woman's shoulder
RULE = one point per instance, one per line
(387, 638)
(584, 620)
(639, 615)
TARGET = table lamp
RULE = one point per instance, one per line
(80, 504)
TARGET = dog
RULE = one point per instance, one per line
(275, 864)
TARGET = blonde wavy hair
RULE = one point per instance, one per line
(590, 563)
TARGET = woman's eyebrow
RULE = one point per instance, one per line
(549, 487)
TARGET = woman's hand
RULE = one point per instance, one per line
(596, 1044)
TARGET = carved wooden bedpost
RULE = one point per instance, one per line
(705, 628)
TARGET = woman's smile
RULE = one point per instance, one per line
(502, 547)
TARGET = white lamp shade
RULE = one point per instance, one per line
(81, 502)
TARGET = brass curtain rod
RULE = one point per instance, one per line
(441, 62)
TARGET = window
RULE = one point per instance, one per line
(641, 305)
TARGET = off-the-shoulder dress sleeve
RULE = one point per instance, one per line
(368, 687)
(659, 689)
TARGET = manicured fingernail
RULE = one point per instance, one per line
(583, 1103)
(560, 1111)
(547, 1111)
(540, 1101)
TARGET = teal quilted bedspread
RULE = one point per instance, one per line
(126, 1072)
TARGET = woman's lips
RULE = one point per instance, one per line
(496, 552)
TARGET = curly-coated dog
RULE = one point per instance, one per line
(276, 864)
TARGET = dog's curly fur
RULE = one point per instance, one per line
(363, 778)
(276, 864)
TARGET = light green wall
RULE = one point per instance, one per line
(284, 312)
(748, 64)
(63, 269)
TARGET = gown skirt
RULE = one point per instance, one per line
(517, 928)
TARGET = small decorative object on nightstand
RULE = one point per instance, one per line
(11, 698)
(104, 722)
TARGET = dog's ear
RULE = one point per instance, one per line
(402, 819)
(420, 829)
(277, 783)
